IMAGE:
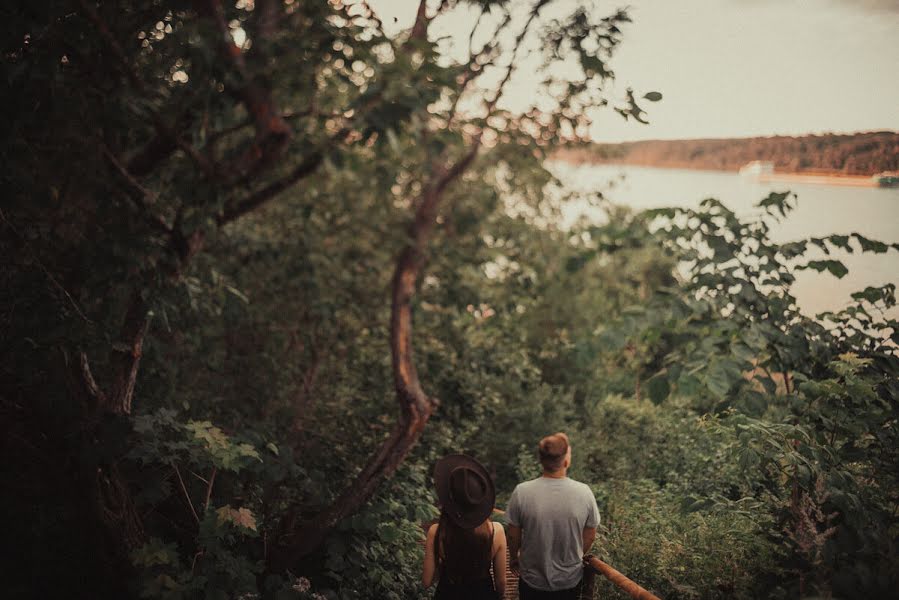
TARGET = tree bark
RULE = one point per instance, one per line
(273, 133)
(416, 407)
(302, 395)
(420, 28)
(127, 356)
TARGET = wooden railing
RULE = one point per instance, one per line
(629, 587)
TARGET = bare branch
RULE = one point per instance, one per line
(186, 495)
(459, 167)
(474, 67)
(288, 116)
(128, 352)
(141, 195)
(209, 485)
(145, 160)
(489, 45)
(82, 383)
(87, 378)
(491, 104)
(44, 269)
(474, 30)
(301, 398)
(306, 167)
(420, 29)
(257, 199)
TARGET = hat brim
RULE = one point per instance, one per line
(470, 517)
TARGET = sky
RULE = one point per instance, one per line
(738, 68)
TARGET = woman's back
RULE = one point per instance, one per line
(464, 555)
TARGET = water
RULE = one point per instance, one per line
(823, 210)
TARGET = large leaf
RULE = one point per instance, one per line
(834, 267)
(869, 245)
(721, 376)
(658, 388)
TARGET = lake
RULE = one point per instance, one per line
(823, 210)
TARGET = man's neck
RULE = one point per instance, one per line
(560, 474)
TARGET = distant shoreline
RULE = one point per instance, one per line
(813, 177)
(841, 158)
(825, 179)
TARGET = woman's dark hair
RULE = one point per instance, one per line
(463, 555)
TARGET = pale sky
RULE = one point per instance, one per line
(739, 68)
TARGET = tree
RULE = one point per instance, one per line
(142, 132)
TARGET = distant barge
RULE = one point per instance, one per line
(887, 179)
(763, 170)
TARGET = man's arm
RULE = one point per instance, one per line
(588, 535)
(513, 529)
(514, 538)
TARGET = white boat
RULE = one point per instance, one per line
(757, 168)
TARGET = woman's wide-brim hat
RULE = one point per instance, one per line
(465, 490)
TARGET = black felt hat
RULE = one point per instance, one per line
(465, 490)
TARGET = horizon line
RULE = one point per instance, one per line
(752, 137)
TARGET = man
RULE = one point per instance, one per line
(552, 521)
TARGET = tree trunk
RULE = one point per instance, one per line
(415, 406)
(415, 410)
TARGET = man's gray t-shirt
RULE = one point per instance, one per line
(552, 514)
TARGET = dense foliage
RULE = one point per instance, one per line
(221, 224)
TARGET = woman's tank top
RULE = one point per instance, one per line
(465, 578)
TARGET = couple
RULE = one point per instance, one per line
(552, 523)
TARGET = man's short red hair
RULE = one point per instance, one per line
(552, 450)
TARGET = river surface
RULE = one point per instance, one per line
(822, 210)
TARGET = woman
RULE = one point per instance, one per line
(463, 546)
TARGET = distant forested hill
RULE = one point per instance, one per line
(854, 154)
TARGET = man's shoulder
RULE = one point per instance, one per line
(529, 484)
(579, 484)
(525, 487)
(581, 487)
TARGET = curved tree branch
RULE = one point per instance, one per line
(420, 29)
(416, 407)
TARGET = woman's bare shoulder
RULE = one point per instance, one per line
(499, 532)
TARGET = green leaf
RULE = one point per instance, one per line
(777, 200)
(658, 388)
(155, 553)
(841, 241)
(241, 517)
(653, 96)
(834, 267)
(389, 533)
(748, 459)
(885, 294)
(869, 245)
(721, 376)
